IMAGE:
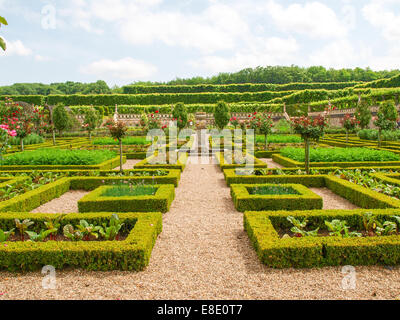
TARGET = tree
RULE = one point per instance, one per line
(221, 115)
(363, 114)
(118, 131)
(61, 118)
(386, 118)
(181, 115)
(349, 123)
(266, 125)
(310, 130)
(92, 119)
(2, 42)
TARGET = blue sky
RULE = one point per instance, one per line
(121, 41)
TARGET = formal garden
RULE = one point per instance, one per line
(297, 178)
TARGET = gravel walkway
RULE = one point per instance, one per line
(271, 163)
(203, 253)
(332, 200)
(67, 203)
(129, 164)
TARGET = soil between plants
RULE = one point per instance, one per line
(204, 253)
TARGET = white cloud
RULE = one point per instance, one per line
(313, 19)
(380, 16)
(261, 52)
(126, 69)
(16, 48)
(41, 58)
(341, 54)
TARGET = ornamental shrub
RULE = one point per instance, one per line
(181, 115)
(221, 115)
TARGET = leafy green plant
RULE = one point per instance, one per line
(299, 226)
(39, 237)
(5, 235)
(23, 227)
(71, 233)
(111, 231)
(387, 228)
(370, 222)
(88, 230)
(339, 228)
(53, 225)
(125, 141)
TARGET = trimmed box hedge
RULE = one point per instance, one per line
(147, 163)
(244, 201)
(132, 254)
(160, 202)
(356, 194)
(33, 199)
(106, 165)
(311, 252)
(286, 162)
(223, 164)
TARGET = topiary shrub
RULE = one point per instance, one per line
(221, 115)
(181, 115)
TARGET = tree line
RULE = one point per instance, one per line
(270, 75)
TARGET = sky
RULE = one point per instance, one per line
(122, 41)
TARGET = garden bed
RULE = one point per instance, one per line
(100, 201)
(133, 253)
(257, 197)
(264, 228)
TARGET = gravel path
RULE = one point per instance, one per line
(129, 164)
(67, 203)
(203, 253)
(271, 163)
(332, 200)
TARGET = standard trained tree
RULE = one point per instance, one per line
(181, 115)
(386, 118)
(221, 115)
(91, 121)
(363, 114)
(118, 131)
(310, 130)
(61, 118)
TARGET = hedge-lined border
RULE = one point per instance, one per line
(33, 199)
(106, 165)
(220, 158)
(159, 202)
(286, 162)
(356, 194)
(310, 252)
(180, 164)
(244, 201)
(132, 254)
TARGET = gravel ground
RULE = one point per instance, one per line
(129, 164)
(67, 203)
(332, 200)
(203, 253)
(271, 163)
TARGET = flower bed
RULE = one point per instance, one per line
(246, 197)
(356, 194)
(315, 251)
(163, 162)
(226, 160)
(132, 254)
(99, 201)
(125, 141)
(340, 155)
